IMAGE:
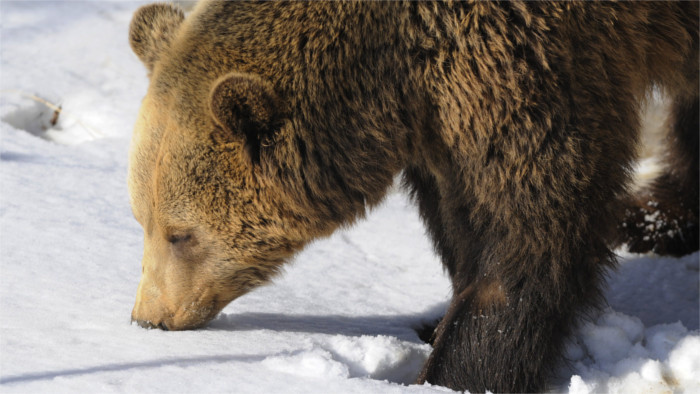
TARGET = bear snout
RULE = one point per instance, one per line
(149, 325)
(174, 315)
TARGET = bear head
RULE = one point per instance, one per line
(201, 173)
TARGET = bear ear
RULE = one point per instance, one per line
(247, 106)
(152, 29)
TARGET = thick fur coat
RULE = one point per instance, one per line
(267, 125)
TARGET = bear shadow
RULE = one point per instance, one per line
(407, 327)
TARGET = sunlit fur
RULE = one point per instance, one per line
(268, 125)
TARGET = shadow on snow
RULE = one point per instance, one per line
(185, 361)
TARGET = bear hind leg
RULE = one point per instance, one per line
(663, 217)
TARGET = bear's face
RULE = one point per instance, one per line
(208, 236)
(198, 189)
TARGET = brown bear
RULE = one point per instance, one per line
(514, 126)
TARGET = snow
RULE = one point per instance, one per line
(340, 319)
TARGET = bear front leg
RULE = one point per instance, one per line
(518, 286)
(488, 341)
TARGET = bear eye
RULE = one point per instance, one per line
(181, 238)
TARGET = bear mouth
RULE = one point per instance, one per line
(149, 325)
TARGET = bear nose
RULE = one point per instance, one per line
(149, 325)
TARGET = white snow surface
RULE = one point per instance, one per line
(340, 319)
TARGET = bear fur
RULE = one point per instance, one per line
(514, 125)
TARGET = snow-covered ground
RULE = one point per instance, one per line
(341, 318)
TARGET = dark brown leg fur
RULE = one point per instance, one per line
(511, 310)
(426, 332)
(664, 218)
(520, 179)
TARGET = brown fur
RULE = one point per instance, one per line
(664, 217)
(268, 125)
